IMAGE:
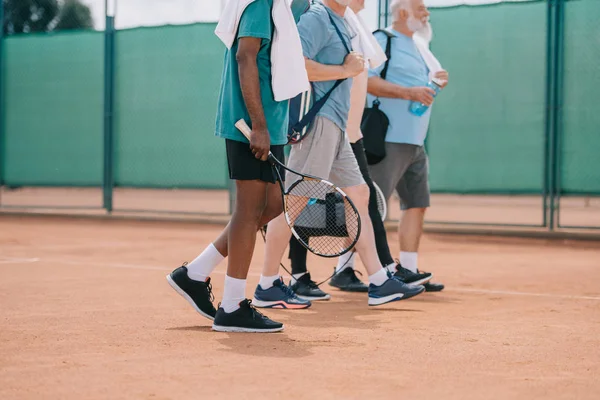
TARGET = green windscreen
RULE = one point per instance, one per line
(487, 127)
(580, 141)
(167, 85)
(53, 109)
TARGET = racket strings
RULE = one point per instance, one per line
(323, 219)
(263, 232)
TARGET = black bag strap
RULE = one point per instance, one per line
(388, 54)
(388, 51)
(314, 110)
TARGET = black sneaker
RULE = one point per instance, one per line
(307, 289)
(409, 277)
(245, 319)
(433, 287)
(347, 281)
(198, 294)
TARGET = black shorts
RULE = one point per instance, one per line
(243, 166)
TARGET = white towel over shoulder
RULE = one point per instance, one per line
(422, 39)
(364, 42)
(288, 71)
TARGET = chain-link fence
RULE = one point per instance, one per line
(111, 106)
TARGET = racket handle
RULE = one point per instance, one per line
(244, 128)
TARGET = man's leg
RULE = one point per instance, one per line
(346, 174)
(387, 174)
(192, 281)
(413, 190)
(314, 156)
(381, 242)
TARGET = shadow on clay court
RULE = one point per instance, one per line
(346, 310)
(272, 345)
(277, 345)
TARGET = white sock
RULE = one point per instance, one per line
(295, 277)
(409, 260)
(234, 293)
(204, 264)
(345, 261)
(379, 277)
(391, 267)
(266, 282)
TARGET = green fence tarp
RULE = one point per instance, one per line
(580, 141)
(167, 85)
(487, 131)
(53, 109)
(487, 126)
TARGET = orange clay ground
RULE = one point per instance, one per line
(86, 313)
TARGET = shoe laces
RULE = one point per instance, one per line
(211, 296)
(288, 291)
(254, 310)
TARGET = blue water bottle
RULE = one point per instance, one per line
(419, 109)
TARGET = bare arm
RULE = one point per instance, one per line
(353, 65)
(382, 88)
(247, 52)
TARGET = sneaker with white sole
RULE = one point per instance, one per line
(197, 293)
(392, 290)
(278, 296)
(245, 319)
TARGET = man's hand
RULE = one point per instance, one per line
(421, 94)
(354, 64)
(442, 75)
(260, 143)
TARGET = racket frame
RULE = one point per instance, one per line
(243, 127)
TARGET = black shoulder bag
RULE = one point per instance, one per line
(374, 123)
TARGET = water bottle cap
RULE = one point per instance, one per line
(438, 81)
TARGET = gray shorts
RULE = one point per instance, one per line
(325, 152)
(405, 168)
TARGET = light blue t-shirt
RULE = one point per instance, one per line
(406, 68)
(321, 43)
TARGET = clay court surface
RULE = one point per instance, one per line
(86, 313)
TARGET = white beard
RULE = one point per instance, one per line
(414, 24)
(343, 2)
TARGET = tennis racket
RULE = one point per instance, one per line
(381, 203)
(320, 215)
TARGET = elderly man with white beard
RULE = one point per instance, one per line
(405, 167)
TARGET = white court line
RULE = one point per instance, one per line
(512, 293)
(126, 266)
(222, 272)
(11, 260)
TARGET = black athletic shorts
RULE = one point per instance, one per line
(243, 166)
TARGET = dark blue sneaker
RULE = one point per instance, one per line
(392, 290)
(278, 296)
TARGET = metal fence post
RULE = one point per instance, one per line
(559, 31)
(2, 123)
(549, 117)
(109, 69)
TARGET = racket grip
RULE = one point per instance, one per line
(244, 128)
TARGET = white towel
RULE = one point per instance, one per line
(422, 38)
(364, 42)
(288, 70)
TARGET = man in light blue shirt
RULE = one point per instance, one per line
(405, 167)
